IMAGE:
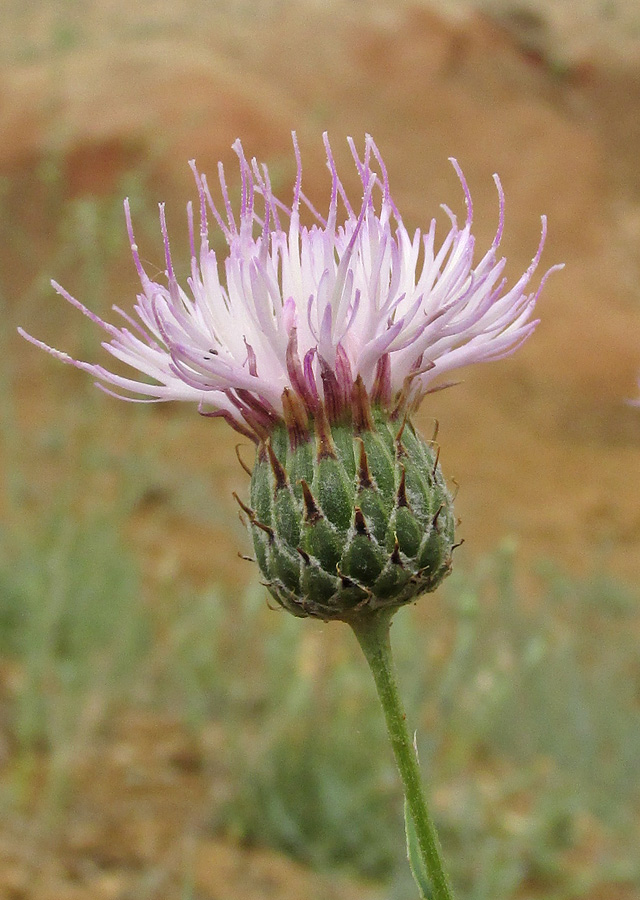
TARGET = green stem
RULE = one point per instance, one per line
(372, 633)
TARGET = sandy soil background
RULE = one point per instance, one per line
(544, 445)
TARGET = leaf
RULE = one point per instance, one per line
(416, 863)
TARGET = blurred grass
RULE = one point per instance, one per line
(529, 727)
(525, 702)
(528, 721)
(524, 687)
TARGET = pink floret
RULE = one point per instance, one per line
(308, 309)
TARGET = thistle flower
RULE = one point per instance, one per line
(318, 342)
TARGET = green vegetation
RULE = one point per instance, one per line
(525, 705)
(528, 722)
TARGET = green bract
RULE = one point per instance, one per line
(350, 519)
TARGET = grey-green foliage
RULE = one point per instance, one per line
(70, 613)
(527, 720)
(554, 678)
(308, 767)
(525, 705)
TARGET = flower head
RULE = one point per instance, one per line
(318, 341)
(298, 317)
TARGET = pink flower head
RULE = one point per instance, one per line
(297, 318)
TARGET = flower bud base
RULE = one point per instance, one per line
(348, 521)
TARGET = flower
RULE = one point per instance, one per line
(296, 316)
(318, 341)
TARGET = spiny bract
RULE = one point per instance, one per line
(350, 519)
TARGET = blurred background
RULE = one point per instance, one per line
(163, 734)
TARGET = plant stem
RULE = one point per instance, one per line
(372, 633)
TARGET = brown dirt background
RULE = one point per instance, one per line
(544, 445)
